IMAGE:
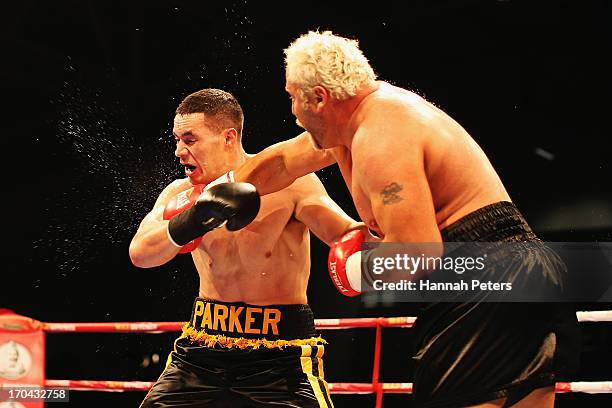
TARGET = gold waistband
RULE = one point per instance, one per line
(211, 340)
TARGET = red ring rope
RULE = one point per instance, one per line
(591, 387)
(321, 324)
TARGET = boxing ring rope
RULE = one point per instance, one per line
(590, 387)
(159, 327)
(375, 387)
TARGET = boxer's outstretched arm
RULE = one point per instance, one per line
(315, 209)
(150, 245)
(279, 165)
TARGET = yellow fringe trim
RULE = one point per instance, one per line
(211, 340)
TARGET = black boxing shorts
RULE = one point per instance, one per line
(241, 355)
(470, 353)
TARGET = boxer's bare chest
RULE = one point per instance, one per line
(256, 243)
(360, 199)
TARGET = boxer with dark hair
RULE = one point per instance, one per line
(251, 339)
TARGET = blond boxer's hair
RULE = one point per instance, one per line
(334, 62)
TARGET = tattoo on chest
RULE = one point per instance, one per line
(390, 194)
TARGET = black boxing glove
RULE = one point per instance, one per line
(234, 204)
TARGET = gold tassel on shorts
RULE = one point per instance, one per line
(211, 340)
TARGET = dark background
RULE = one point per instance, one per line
(89, 90)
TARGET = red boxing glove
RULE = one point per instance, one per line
(340, 251)
(178, 204)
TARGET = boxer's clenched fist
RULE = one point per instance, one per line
(234, 204)
(344, 263)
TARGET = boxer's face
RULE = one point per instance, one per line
(305, 117)
(200, 149)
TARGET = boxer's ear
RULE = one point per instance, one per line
(321, 97)
(230, 136)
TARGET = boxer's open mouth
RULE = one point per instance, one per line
(189, 169)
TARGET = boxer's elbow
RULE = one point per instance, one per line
(140, 255)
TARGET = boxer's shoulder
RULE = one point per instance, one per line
(306, 185)
(387, 136)
(300, 191)
(283, 200)
(172, 189)
(178, 185)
